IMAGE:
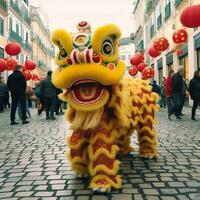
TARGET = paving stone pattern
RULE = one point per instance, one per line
(33, 164)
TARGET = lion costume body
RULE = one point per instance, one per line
(104, 108)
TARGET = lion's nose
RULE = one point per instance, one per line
(85, 56)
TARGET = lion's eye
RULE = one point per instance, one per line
(107, 48)
(63, 53)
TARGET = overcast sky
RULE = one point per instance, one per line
(67, 13)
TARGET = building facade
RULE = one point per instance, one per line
(126, 50)
(20, 22)
(160, 18)
(43, 50)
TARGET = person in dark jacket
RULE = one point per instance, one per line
(17, 86)
(156, 88)
(168, 91)
(6, 98)
(194, 89)
(177, 92)
(2, 94)
(48, 92)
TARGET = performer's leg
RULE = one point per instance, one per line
(147, 136)
(103, 164)
(78, 155)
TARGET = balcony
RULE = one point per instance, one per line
(167, 11)
(42, 65)
(152, 31)
(136, 5)
(177, 2)
(15, 7)
(3, 5)
(27, 19)
(159, 21)
(15, 36)
(27, 46)
(140, 46)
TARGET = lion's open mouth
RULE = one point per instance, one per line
(87, 91)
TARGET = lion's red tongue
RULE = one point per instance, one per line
(87, 92)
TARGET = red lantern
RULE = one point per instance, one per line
(141, 66)
(23, 68)
(3, 65)
(153, 53)
(161, 44)
(190, 17)
(137, 58)
(133, 71)
(180, 36)
(13, 48)
(34, 77)
(11, 64)
(27, 75)
(30, 65)
(147, 73)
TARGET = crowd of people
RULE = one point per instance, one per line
(173, 91)
(44, 94)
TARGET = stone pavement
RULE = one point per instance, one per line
(33, 164)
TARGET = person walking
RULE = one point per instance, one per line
(177, 92)
(163, 93)
(17, 86)
(168, 92)
(6, 98)
(155, 88)
(2, 93)
(48, 93)
(185, 89)
(58, 108)
(194, 89)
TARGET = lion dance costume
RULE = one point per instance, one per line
(104, 109)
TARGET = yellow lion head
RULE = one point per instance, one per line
(88, 63)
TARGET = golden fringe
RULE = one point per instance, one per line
(76, 146)
(103, 168)
(94, 156)
(84, 120)
(110, 182)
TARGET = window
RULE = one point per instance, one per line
(22, 58)
(1, 52)
(198, 58)
(151, 27)
(17, 29)
(129, 56)
(123, 57)
(167, 9)
(10, 23)
(26, 37)
(159, 16)
(26, 2)
(1, 26)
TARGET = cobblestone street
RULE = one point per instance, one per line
(33, 164)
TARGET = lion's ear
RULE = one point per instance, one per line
(104, 42)
(63, 40)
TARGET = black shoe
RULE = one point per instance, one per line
(193, 118)
(25, 122)
(169, 118)
(14, 123)
(40, 112)
(53, 118)
(181, 114)
(178, 117)
(47, 118)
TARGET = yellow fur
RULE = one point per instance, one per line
(104, 127)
